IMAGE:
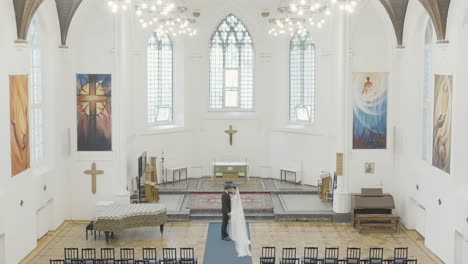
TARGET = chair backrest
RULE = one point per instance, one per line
(127, 254)
(353, 253)
(70, 253)
(411, 261)
(149, 254)
(88, 253)
(108, 253)
(57, 261)
(311, 253)
(268, 252)
(376, 253)
(331, 253)
(124, 261)
(289, 253)
(100, 261)
(77, 261)
(142, 261)
(186, 253)
(400, 253)
(169, 255)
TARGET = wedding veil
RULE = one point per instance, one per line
(238, 227)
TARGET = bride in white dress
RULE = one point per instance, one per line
(238, 227)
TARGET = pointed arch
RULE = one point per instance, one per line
(160, 61)
(231, 66)
(301, 78)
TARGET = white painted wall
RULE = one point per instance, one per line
(18, 225)
(419, 208)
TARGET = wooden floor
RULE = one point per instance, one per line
(193, 234)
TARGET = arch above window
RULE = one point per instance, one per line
(231, 66)
(302, 78)
(160, 79)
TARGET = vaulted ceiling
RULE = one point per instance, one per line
(396, 9)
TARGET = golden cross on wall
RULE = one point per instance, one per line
(93, 172)
(231, 132)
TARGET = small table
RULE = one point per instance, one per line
(178, 171)
(285, 172)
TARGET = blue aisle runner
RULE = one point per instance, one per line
(218, 251)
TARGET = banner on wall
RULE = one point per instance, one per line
(369, 94)
(93, 98)
(442, 122)
(19, 124)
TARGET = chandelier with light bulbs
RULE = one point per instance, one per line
(166, 16)
(300, 15)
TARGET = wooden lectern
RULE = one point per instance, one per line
(152, 192)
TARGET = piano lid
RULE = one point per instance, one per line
(373, 199)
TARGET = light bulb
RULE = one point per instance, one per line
(138, 12)
(144, 6)
(128, 1)
(159, 2)
(300, 12)
(293, 7)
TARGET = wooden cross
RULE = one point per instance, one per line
(93, 172)
(231, 132)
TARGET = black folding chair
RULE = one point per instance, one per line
(127, 254)
(108, 254)
(142, 261)
(411, 261)
(77, 261)
(187, 256)
(57, 261)
(310, 255)
(268, 255)
(169, 256)
(400, 255)
(353, 255)
(149, 254)
(100, 261)
(70, 254)
(88, 255)
(331, 256)
(288, 256)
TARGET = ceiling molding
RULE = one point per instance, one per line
(24, 12)
(66, 10)
(438, 12)
(396, 10)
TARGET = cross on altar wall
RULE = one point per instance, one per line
(231, 132)
(93, 172)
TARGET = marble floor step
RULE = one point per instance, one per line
(253, 216)
(218, 211)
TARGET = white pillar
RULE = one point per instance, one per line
(120, 102)
(341, 196)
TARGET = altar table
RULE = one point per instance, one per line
(118, 217)
(230, 170)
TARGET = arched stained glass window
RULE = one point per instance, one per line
(231, 66)
(160, 79)
(428, 94)
(302, 78)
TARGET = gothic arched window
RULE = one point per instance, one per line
(231, 66)
(35, 80)
(427, 94)
(302, 78)
(160, 79)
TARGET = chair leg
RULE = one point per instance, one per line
(86, 234)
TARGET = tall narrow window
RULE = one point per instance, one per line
(428, 94)
(35, 80)
(302, 78)
(160, 79)
(231, 66)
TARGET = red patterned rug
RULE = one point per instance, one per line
(250, 201)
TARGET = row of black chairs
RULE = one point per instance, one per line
(353, 256)
(127, 256)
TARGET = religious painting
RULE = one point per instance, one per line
(369, 93)
(442, 122)
(19, 124)
(369, 167)
(93, 98)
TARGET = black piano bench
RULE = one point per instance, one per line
(90, 227)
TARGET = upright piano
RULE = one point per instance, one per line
(373, 208)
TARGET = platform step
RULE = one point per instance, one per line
(218, 217)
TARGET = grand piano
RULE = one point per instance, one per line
(118, 217)
(372, 209)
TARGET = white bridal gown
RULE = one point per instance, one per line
(238, 227)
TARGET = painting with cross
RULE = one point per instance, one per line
(93, 96)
